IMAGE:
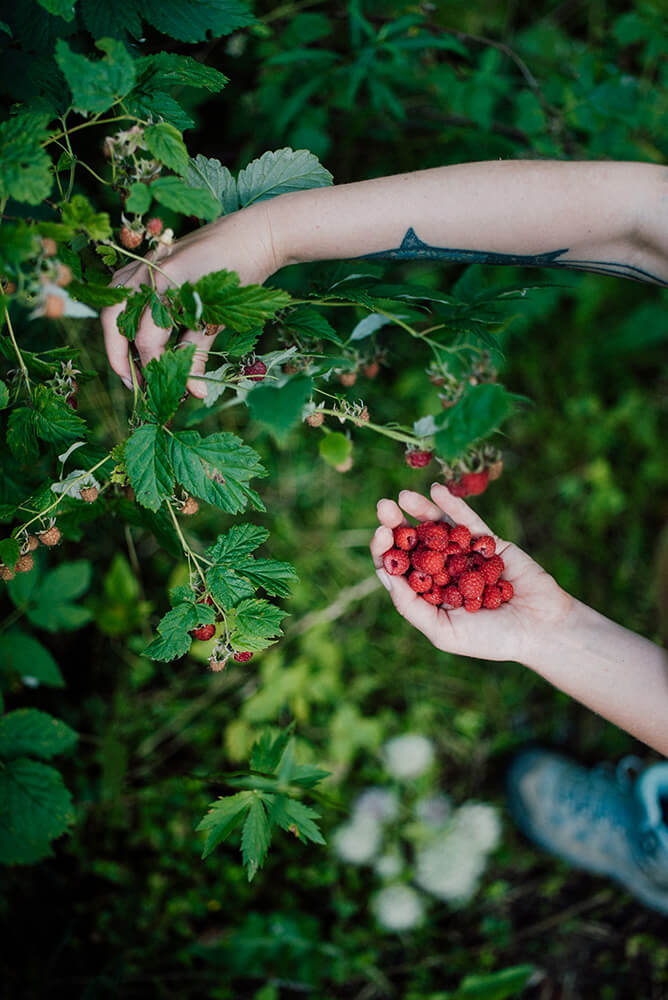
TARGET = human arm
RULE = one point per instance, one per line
(613, 671)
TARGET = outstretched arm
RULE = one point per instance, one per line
(596, 216)
(613, 671)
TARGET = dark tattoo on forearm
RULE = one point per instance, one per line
(412, 247)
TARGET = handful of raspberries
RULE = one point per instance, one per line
(447, 566)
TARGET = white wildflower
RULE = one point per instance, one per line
(358, 841)
(389, 865)
(450, 865)
(408, 756)
(398, 907)
(479, 823)
(381, 804)
(434, 811)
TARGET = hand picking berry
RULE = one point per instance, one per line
(448, 567)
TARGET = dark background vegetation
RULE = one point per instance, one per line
(126, 908)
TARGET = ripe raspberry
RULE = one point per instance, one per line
(315, 419)
(405, 537)
(255, 372)
(475, 560)
(72, 402)
(203, 632)
(54, 307)
(242, 657)
(206, 599)
(475, 482)
(461, 534)
(441, 579)
(418, 459)
(190, 506)
(24, 563)
(419, 582)
(471, 585)
(492, 569)
(50, 537)
(453, 549)
(372, 369)
(396, 562)
(427, 561)
(437, 536)
(473, 604)
(484, 544)
(457, 488)
(457, 564)
(452, 597)
(507, 590)
(423, 528)
(494, 470)
(89, 494)
(130, 238)
(6, 573)
(154, 226)
(491, 597)
(347, 378)
(434, 596)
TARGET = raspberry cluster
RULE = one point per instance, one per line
(448, 567)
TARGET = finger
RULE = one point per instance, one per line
(418, 506)
(390, 513)
(115, 344)
(381, 541)
(203, 342)
(423, 616)
(459, 510)
(151, 339)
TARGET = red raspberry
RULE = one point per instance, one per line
(422, 529)
(427, 561)
(419, 582)
(72, 401)
(396, 562)
(475, 560)
(255, 372)
(206, 599)
(507, 590)
(473, 605)
(154, 226)
(372, 369)
(436, 536)
(418, 459)
(457, 488)
(441, 579)
(457, 564)
(405, 537)
(434, 596)
(484, 544)
(130, 238)
(471, 585)
(452, 597)
(475, 482)
(203, 632)
(492, 569)
(491, 597)
(461, 534)
(453, 549)
(242, 657)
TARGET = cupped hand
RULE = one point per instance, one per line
(510, 632)
(239, 242)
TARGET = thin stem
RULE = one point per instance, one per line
(93, 121)
(379, 428)
(142, 260)
(22, 364)
(188, 552)
(43, 513)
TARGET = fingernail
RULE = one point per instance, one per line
(436, 484)
(127, 382)
(384, 579)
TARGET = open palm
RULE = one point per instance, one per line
(506, 633)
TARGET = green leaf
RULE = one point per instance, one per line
(9, 551)
(61, 8)
(25, 168)
(227, 587)
(240, 307)
(255, 624)
(157, 104)
(211, 174)
(482, 409)
(278, 172)
(97, 85)
(35, 807)
(167, 145)
(335, 448)
(102, 18)
(307, 776)
(240, 540)
(503, 985)
(193, 20)
(268, 750)
(174, 639)
(148, 463)
(78, 213)
(54, 421)
(222, 818)
(166, 379)
(164, 70)
(27, 731)
(216, 468)
(47, 600)
(95, 295)
(297, 818)
(4, 395)
(128, 320)
(139, 199)
(29, 658)
(22, 435)
(280, 409)
(18, 242)
(270, 574)
(255, 837)
(307, 320)
(174, 193)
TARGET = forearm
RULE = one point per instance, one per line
(586, 215)
(613, 671)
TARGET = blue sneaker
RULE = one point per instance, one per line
(607, 821)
